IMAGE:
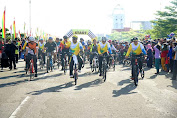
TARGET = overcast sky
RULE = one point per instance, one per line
(57, 17)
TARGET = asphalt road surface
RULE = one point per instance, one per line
(54, 95)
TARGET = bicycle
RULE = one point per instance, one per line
(65, 62)
(112, 62)
(137, 71)
(94, 65)
(58, 60)
(75, 68)
(126, 62)
(41, 61)
(104, 67)
(49, 62)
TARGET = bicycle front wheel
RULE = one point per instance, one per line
(136, 75)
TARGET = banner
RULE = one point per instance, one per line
(80, 31)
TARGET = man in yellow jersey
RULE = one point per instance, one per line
(136, 48)
(103, 50)
(64, 48)
(41, 51)
(75, 48)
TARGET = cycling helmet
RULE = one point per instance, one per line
(103, 38)
(135, 39)
(50, 38)
(41, 39)
(110, 41)
(75, 37)
(89, 41)
(65, 37)
(31, 38)
(81, 39)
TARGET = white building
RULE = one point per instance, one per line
(118, 17)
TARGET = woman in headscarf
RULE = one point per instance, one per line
(149, 56)
(164, 56)
(157, 57)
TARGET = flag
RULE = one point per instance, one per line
(14, 29)
(11, 29)
(19, 33)
(3, 24)
(30, 32)
(43, 34)
(24, 27)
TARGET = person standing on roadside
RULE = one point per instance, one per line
(175, 62)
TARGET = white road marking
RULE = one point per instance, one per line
(13, 115)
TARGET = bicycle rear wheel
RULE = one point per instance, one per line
(64, 68)
(75, 78)
(31, 73)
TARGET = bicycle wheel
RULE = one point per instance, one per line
(64, 68)
(31, 73)
(136, 75)
(48, 65)
(142, 74)
(104, 72)
(114, 65)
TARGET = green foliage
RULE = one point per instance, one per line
(127, 36)
(166, 21)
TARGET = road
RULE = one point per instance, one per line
(54, 95)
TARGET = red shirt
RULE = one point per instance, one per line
(164, 53)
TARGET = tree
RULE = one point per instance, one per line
(166, 21)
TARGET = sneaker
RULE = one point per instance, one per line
(100, 74)
(79, 71)
(35, 75)
(71, 76)
(157, 73)
(132, 78)
(15, 68)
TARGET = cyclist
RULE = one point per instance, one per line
(113, 49)
(32, 53)
(93, 50)
(41, 49)
(75, 48)
(51, 46)
(64, 46)
(103, 49)
(137, 49)
(83, 43)
(89, 44)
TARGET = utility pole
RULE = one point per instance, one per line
(30, 15)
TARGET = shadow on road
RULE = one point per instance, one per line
(52, 89)
(89, 84)
(84, 74)
(174, 84)
(16, 76)
(124, 91)
(153, 76)
(124, 82)
(26, 80)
